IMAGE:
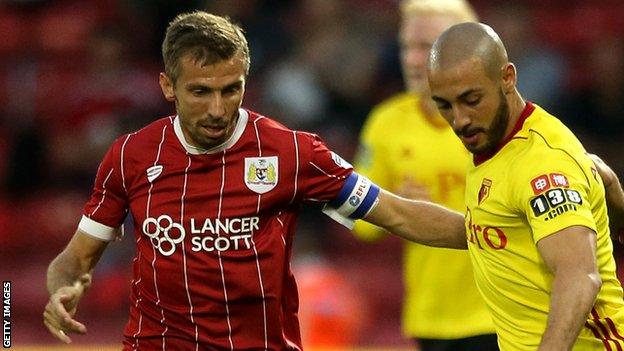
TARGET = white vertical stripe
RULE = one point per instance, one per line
(297, 165)
(121, 162)
(264, 312)
(186, 286)
(147, 208)
(227, 306)
(103, 193)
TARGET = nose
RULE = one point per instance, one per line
(460, 119)
(216, 105)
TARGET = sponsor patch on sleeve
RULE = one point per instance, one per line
(555, 202)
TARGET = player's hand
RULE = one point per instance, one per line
(411, 189)
(61, 308)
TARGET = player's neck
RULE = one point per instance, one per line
(516, 107)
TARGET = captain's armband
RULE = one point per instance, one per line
(356, 199)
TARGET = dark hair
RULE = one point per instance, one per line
(208, 37)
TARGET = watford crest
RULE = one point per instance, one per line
(261, 173)
(484, 192)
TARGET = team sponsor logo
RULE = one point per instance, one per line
(546, 181)
(164, 233)
(484, 236)
(221, 234)
(555, 202)
(261, 173)
(153, 172)
(340, 161)
(484, 192)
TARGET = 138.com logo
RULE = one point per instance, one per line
(164, 233)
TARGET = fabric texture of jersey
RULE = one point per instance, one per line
(538, 183)
(399, 143)
(213, 231)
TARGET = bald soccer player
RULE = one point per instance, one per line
(408, 148)
(536, 218)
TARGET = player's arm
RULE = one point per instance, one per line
(570, 255)
(419, 221)
(69, 276)
(615, 197)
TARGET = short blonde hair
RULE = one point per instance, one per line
(460, 9)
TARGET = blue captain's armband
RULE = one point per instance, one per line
(355, 200)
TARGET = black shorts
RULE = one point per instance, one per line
(485, 342)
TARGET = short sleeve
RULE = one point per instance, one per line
(325, 172)
(554, 193)
(107, 207)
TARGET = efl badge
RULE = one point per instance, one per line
(261, 173)
(484, 192)
(594, 173)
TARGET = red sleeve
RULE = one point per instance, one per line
(324, 171)
(108, 203)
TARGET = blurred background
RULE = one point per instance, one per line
(75, 74)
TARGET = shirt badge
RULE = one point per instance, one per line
(484, 192)
(261, 173)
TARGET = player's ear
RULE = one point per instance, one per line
(509, 77)
(166, 85)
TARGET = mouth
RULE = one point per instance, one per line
(213, 131)
(470, 138)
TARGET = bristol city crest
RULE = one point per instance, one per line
(261, 173)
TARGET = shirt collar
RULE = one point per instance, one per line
(243, 116)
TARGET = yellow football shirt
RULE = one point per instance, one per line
(541, 181)
(398, 143)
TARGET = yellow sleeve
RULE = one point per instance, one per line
(370, 162)
(553, 191)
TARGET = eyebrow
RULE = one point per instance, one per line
(460, 96)
(192, 86)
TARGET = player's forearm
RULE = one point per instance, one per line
(615, 205)
(66, 270)
(419, 221)
(572, 298)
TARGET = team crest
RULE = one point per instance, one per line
(261, 173)
(484, 192)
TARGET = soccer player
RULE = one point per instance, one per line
(536, 218)
(214, 193)
(409, 149)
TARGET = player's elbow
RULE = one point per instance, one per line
(595, 282)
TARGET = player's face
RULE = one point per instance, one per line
(416, 36)
(473, 104)
(207, 98)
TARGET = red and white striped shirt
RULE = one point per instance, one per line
(214, 231)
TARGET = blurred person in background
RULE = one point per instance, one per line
(214, 193)
(408, 148)
(536, 208)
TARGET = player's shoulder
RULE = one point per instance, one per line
(547, 145)
(269, 126)
(394, 106)
(545, 134)
(150, 134)
(266, 123)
